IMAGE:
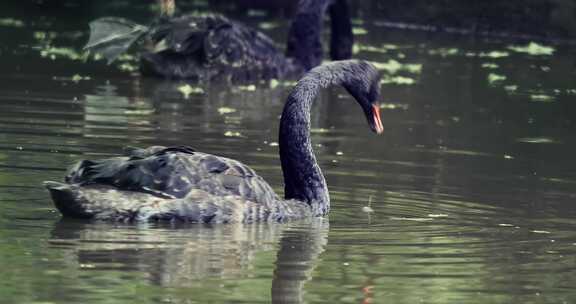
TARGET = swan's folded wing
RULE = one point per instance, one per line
(174, 172)
(239, 45)
(107, 203)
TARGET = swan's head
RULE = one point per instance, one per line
(363, 83)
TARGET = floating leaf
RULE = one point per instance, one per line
(111, 37)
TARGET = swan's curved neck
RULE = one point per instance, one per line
(303, 179)
(305, 35)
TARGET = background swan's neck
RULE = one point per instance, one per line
(303, 179)
(304, 37)
(341, 36)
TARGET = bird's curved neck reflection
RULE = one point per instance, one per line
(297, 257)
(191, 258)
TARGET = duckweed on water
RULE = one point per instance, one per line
(541, 97)
(492, 54)
(511, 88)
(274, 83)
(268, 25)
(494, 78)
(359, 31)
(246, 88)
(540, 231)
(401, 80)
(537, 140)
(128, 67)
(444, 52)
(394, 106)
(226, 110)
(11, 22)
(392, 66)
(533, 49)
(75, 78)
(489, 65)
(319, 130)
(232, 134)
(127, 57)
(437, 215)
(256, 13)
(44, 36)
(60, 52)
(188, 90)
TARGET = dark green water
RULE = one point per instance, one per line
(472, 185)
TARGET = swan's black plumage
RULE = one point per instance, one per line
(179, 183)
(212, 46)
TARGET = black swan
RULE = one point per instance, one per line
(212, 46)
(178, 183)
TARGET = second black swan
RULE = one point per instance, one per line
(212, 46)
(178, 183)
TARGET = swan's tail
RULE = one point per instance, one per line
(66, 199)
(97, 201)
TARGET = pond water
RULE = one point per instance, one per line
(472, 185)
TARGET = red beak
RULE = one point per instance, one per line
(377, 121)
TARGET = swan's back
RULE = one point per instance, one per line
(172, 173)
(212, 46)
(170, 183)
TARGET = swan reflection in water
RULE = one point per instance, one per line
(195, 256)
(160, 110)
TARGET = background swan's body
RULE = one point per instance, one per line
(178, 183)
(212, 46)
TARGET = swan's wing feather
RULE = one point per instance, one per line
(185, 35)
(108, 203)
(173, 172)
(240, 45)
(111, 36)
